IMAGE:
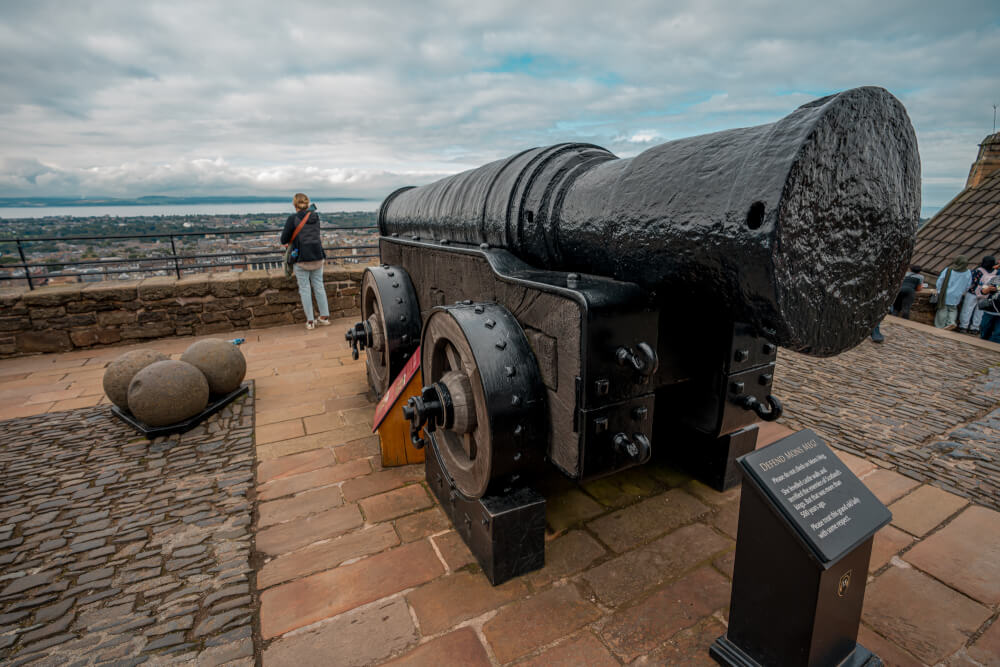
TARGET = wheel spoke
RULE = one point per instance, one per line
(454, 359)
(383, 358)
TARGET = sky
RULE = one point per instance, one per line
(109, 98)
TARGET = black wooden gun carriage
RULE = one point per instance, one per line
(580, 309)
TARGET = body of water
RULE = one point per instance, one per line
(220, 208)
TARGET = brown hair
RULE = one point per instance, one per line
(300, 201)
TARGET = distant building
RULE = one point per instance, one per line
(62, 280)
(970, 223)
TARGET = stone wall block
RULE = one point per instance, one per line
(157, 303)
(70, 321)
(277, 280)
(116, 317)
(261, 311)
(146, 316)
(185, 309)
(14, 324)
(8, 345)
(253, 282)
(85, 306)
(94, 336)
(213, 327)
(341, 302)
(214, 317)
(29, 342)
(922, 309)
(112, 291)
(193, 300)
(12, 304)
(52, 296)
(225, 284)
(274, 319)
(193, 286)
(157, 288)
(283, 296)
(90, 306)
(45, 312)
(334, 274)
(186, 318)
(152, 330)
(250, 301)
(239, 314)
(218, 305)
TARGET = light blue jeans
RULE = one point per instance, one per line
(311, 282)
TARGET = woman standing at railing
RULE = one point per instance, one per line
(302, 231)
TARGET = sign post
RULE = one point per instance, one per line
(805, 538)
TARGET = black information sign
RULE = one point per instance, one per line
(828, 506)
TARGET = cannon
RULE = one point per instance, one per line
(575, 309)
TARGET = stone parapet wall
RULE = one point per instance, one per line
(922, 309)
(68, 317)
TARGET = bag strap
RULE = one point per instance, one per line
(299, 228)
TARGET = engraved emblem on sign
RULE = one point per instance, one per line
(844, 583)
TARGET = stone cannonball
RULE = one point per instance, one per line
(221, 362)
(121, 371)
(167, 392)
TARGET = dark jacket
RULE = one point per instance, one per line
(991, 302)
(309, 242)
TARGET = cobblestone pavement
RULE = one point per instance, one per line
(920, 404)
(115, 549)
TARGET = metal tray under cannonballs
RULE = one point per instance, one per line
(215, 403)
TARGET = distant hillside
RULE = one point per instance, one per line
(152, 200)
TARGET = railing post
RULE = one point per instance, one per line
(27, 271)
(173, 249)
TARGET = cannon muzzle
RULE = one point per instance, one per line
(802, 227)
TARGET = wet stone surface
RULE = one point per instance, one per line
(932, 421)
(117, 549)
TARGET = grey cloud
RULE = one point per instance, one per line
(115, 97)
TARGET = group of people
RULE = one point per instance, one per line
(966, 300)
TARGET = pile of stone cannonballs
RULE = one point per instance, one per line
(160, 391)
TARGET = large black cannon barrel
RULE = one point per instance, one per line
(802, 227)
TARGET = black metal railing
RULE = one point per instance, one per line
(174, 261)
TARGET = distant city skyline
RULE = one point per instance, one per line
(120, 99)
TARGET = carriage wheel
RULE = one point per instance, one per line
(483, 402)
(390, 326)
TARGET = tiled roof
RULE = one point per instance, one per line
(969, 225)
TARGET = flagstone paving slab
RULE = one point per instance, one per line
(361, 637)
(965, 554)
(326, 555)
(925, 509)
(445, 602)
(643, 628)
(584, 649)
(326, 594)
(461, 647)
(526, 625)
(986, 649)
(944, 623)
